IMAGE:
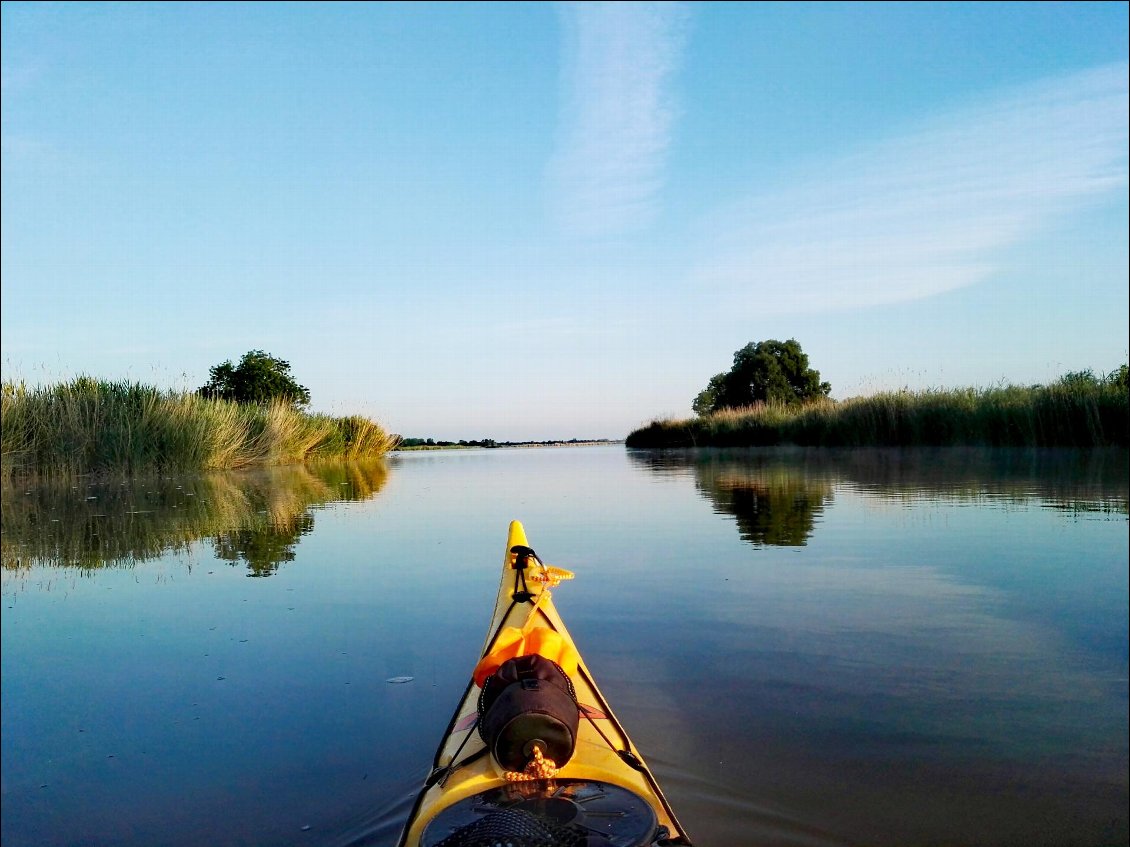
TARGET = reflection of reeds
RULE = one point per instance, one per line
(93, 525)
(93, 426)
(1080, 413)
(1091, 480)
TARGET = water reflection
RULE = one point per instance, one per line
(773, 504)
(255, 517)
(942, 662)
(263, 549)
(778, 495)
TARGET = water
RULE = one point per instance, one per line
(810, 648)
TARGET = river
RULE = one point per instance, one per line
(809, 647)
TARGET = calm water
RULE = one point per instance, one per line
(810, 649)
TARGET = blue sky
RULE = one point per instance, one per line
(528, 221)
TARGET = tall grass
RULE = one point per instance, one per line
(1077, 411)
(90, 426)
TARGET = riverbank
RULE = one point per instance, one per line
(410, 444)
(1078, 411)
(88, 426)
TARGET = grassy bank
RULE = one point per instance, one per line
(90, 426)
(1078, 411)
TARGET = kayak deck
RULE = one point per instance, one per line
(604, 754)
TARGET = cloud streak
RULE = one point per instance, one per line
(931, 210)
(616, 115)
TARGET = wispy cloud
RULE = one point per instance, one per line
(931, 210)
(616, 116)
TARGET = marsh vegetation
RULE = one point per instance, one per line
(92, 426)
(1079, 410)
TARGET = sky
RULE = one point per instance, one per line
(532, 221)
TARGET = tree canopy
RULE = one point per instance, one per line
(763, 372)
(258, 378)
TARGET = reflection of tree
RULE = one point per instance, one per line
(263, 549)
(777, 494)
(772, 513)
(255, 516)
(772, 505)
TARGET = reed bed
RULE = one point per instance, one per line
(1075, 412)
(90, 426)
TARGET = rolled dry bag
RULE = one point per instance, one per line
(528, 702)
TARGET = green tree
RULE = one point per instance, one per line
(258, 378)
(707, 399)
(763, 372)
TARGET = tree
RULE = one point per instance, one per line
(763, 372)
(258, 378)
(707, 399)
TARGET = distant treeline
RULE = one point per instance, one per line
(91, 426)
(433, 444)
(1079, 410)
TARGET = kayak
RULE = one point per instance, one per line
(533, 755)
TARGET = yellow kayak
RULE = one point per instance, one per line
(533, 756)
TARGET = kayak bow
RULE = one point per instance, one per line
(533, 755)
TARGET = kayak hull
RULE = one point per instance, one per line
(603, 753)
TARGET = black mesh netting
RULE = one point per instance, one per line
(515, 828)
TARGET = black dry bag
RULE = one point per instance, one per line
(528, 702)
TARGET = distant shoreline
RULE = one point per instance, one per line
(490, 444)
